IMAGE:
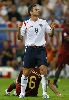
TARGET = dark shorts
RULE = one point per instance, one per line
(34, 56)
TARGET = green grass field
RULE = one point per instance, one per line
(63, 88)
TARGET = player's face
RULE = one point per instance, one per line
(36, 11)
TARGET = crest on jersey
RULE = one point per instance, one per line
(41, 25)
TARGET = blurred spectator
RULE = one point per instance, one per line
(7, 55)
(65, 6)
(9, 3)
(3, 12)
(28, 2)
(52, 4)
(3, 8)
(14, 13)
(1, 19)
(52, 19)
(3, 34)
(66, 10)
(15, 64)
(34, 1)
(58, 9)
(20, 51)
(14, 20)
(6, 19)
(46, 10)
(17, 2)
(23, 9)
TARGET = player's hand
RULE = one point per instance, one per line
(52, 25)
(18, 27)
(59, 95)
(18, 33)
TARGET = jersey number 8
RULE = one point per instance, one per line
(36, 30)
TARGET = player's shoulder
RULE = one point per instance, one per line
(27, 21)
(42, 20)
(24, 23)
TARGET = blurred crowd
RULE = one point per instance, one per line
(12, 56)
(13, 12)
(17, 10)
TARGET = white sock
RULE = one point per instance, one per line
(24, 81)
(43, 81)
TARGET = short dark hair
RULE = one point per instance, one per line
(31, 7)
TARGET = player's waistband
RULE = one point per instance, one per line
(34, 46)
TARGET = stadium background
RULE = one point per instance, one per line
(12, 13)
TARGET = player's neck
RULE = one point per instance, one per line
(34, 18)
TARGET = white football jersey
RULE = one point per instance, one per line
(34, 32)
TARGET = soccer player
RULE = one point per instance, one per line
(33, 33)
(34, 79)
(63, 57)
(32, 85)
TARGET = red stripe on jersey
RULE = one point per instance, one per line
(24, 23)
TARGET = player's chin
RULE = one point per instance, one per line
(37, 14)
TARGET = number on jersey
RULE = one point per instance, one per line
(32, 82)
(36, 30)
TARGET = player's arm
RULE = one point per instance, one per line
(21, 32)
(50, 30)
(59, 40)
(53, 88)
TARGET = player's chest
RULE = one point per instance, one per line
(35, 28)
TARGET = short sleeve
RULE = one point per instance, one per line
(47, 28)
(23, 29)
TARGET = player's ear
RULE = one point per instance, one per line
(30, 12)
